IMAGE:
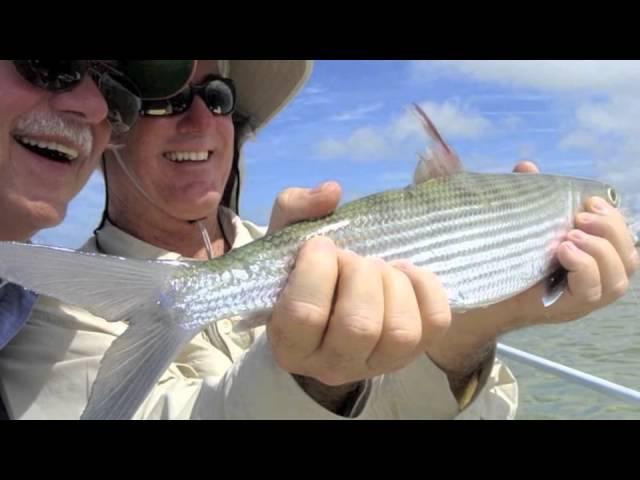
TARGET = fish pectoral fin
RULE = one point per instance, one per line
(107, 286)
(134, 363)
(555, 286)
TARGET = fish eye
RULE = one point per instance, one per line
(613, 196)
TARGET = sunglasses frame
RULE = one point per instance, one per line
(166, 107)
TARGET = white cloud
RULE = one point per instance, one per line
(512, 121)
(314, 100)
(550, 75)
(396, 177)
(581, 139)
(610, 131)
(451, 120)
(364, 144)
(373, 143)
(621, 115)
(527, 150)
(313, 95)
(331, 148)
(357, 114)
(314, 90)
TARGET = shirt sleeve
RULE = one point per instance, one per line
(255, 387)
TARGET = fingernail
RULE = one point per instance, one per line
(572, 246)
(587, 218)
(599, 205)
(578, 236)
(403, 265)
(319, 188)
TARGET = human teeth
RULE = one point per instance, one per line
(187, 156)
(69, 152)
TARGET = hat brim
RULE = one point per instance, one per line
(265, 87)
(158, 79)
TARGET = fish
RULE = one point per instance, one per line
(488, 237)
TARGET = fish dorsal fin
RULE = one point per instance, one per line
(440, 160)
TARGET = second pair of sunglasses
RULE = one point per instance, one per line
(218, 93)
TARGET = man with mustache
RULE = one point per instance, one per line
(49, 146)
(55, 122)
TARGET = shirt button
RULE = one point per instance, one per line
(225, 326)
(244, 340)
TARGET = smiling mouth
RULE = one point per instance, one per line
(188, 157)
(49, 150)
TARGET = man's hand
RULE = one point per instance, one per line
(342, 318)
(600, 258)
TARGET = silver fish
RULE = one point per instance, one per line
(487, 236)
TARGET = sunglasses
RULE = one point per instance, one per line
(218, 93)
(122, 82)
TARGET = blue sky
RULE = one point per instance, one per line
(352, 124)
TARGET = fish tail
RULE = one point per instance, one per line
(115, 289)
(134, 363)
(107, 286)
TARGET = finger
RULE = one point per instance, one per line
(613, 277)
(526, 167)
(607, 222)
(583, 277)
(402, 324)
(356, 323)
(301, 315)
(297, 204)
(433, 302)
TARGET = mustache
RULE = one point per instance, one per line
(52, 124)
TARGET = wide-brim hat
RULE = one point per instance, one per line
(265, 87)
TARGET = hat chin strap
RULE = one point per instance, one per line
(203, 231)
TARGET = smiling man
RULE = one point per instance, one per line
(54, 127)
(56, 118)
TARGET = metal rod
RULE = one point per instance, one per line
(590, 381)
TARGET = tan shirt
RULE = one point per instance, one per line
(47, 371)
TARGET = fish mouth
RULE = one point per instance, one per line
(196, 156)
(57, 150)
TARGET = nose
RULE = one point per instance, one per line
(84, 101)
(197, 119)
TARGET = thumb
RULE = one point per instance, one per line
(297, 204)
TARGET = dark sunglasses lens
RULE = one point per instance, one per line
(123, 104)
(53, 75)
(158, 79)
(180, 103)
(220, 97)
(177, 104)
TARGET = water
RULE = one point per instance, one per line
(605, 344)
